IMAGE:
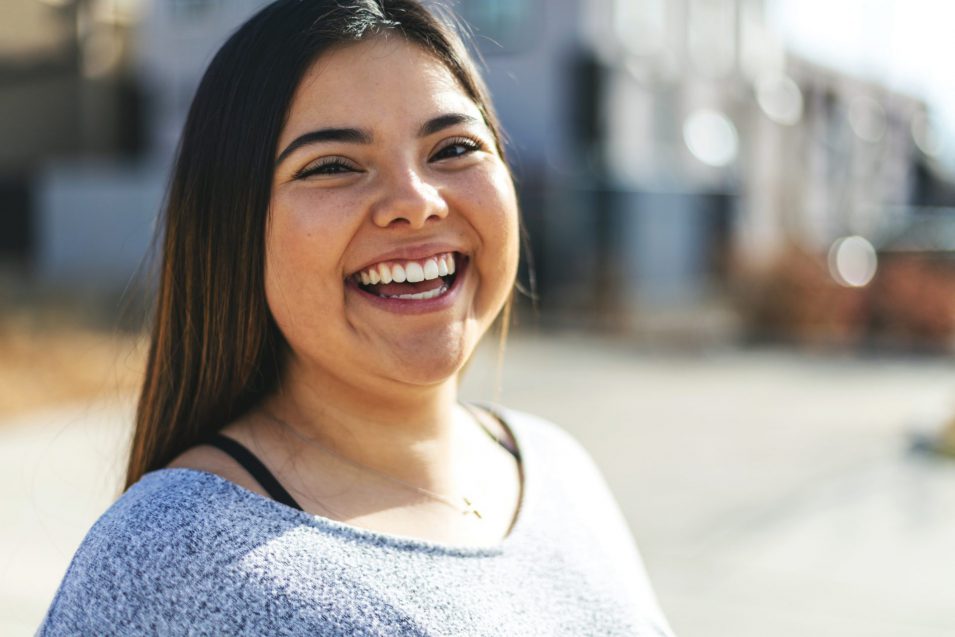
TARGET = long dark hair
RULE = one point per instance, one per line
(215, 350)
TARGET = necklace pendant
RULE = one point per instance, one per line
(470, 510)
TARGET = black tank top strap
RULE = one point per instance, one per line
(254, 466)
(476, 410)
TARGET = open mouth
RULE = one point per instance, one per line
(417, 280)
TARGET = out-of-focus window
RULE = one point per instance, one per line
(33, 31)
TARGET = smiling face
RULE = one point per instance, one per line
(386, 170)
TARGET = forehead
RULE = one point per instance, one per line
(380, 83)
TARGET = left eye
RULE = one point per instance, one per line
(456, 148)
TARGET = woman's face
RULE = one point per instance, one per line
(393, 229)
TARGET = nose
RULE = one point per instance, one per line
(409, 200)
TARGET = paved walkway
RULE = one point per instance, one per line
(58, 471)
(772, 493)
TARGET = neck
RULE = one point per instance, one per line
(406, 431)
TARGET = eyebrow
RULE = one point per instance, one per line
(347, 135)
(441, 122)
(360, 136)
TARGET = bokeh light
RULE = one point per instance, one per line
(853, 261)
(780, 99)
(711, 137)
(926, 135)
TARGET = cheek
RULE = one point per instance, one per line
(304, 247)
(490, 199)
(493, 213)
(499, 214)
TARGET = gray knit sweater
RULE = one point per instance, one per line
(185, 552)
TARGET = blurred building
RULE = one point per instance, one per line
(72, 116)
(659, 145)
(675, 142)
(92, 96)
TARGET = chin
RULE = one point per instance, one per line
(433, 359)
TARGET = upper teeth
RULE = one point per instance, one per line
(410, 271)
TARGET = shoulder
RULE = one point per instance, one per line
(175, 503)
(557, 458)
(210, 459)
(541, 435)
(167, 542)
(572, 488)
(566, 478)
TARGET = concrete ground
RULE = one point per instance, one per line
(772, 493)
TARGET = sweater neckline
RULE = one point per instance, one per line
(391, 540)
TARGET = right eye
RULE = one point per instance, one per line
(327, 166)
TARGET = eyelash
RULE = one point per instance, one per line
(336, 165)
(470, 145)
(324, 166)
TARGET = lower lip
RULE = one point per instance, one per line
(417, 306)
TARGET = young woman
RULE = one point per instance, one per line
(341, 230)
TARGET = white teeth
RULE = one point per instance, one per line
(414, 272)
(423, 295)
(398, 274)
(411, 271)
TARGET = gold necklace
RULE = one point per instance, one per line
(467, 509)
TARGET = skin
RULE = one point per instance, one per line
(364, 383)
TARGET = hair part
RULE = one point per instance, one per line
(215, 350)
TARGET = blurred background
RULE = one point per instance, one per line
(741, 219)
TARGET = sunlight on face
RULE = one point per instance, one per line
(386, 165)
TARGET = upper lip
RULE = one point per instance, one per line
(415, 252)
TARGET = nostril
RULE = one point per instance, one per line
(413, 220)
(408, 208)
